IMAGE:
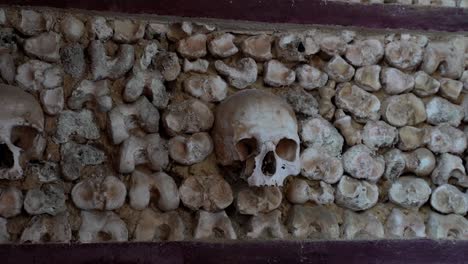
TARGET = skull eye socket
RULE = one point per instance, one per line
(247, 147)
(23, 136)
(286, 149)
(6, 157)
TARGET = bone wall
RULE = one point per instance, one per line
(133, 129)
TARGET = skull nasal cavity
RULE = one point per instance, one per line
(23, 136)
(6, 157)
(286, 149)
(246, 147)
(269, 164)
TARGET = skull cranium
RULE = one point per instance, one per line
(21, 131)
(259, 129)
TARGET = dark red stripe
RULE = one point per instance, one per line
(282, 11)
(384, 251)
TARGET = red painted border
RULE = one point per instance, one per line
(282, 11)
(342, 252)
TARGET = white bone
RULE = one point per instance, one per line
(103, 193)
(448, 199)
(102, 66)
(223, 46)
(364, 225)
(365, 52)
(101, 227)
(409, 192)
(269, 223)
(211, 193)
(361, 104)
(152, 226)
(355, 194)
(258, 47)
(240, 75)
(401, 225)
(150, 149)
(255, 200)
(88, 91)
(209, 222)
(189, 150)
(300, 192)
(315, 222)
(144, 186)
(447, 226)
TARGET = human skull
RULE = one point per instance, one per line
(260, 130)
(21, 131)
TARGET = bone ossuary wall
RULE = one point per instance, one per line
(116, 128)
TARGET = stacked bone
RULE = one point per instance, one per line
(114, 129)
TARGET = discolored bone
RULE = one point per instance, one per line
(75, 157)
(276, 74)
(213, 225)
(359, 226)
(378, 134)
(102, 193)
(403, 110)
(420, 162)
(11, 202)
(103, 66)
(100, 29)
(448, 199)
(158, 188)
(101, 227)
(449, 166)
(317, 165)
(356, 195)
(344, 124)
(450, 226)
(365, 52)
(269, 223)
(299, 192)
(48, 199)
(269, 149)
(320, 134)
(52, 100)
(361, 104)
(447, 57)
(192, 47)
(30, 22)
(296, 46)
(36, 75)
(87, 91)
(168, 64)
(410, 138)
(404, 54)
(395, 81)
(128, 31)
(302, 102)
(439, 111)
(315, 222)
(258, 47)
(46, 229)
(21, 131)
(368, 78)
(445, 138)
(401, 225)
(199, 65)
(122, 119)
(153, 226)
(45, 172)
(395, 164)
(256, 200)
(333, 45)
(409, 192)
(189, 150)
(223, 45)
(450, 89)
(362, 163)
(425, 85)
(339, 70)
(7, 68)
(242, 74)
(45, 46)
(310, 77)
(326, 106)
(211, 193)
(208, 88)
(81, 124)
(189, 116)
(72, 28)
(4, 235)
(150, 149)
